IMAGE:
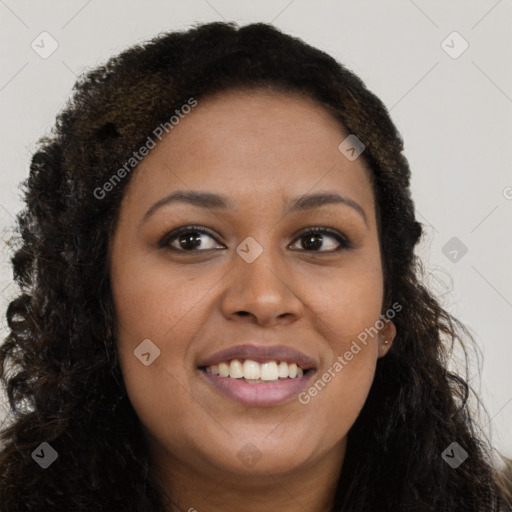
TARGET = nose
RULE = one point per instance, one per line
(263, 291)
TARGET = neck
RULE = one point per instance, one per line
(310, 487)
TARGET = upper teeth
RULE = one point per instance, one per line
(252, 370)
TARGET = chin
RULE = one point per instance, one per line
(256, 463)
(259, 455)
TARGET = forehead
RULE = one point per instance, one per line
(256, 146)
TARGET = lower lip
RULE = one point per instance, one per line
(261, 394)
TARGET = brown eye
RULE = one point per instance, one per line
(188, 239)
(314, 239)
(195, 239)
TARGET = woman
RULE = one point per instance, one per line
(221, 308)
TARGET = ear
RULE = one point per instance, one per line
(386, 336)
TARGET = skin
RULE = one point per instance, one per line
(259, 148)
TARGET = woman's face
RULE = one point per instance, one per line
(257, 286)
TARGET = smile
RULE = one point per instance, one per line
(254, 372)
(257, 384)
(258, 375)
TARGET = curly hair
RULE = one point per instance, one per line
(59, 364)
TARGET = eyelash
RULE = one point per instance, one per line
(321, 230)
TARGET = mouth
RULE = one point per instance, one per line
(258, 376)
(254, 372)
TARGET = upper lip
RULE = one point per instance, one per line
(260, 354)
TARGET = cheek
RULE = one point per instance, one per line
(346, 302)
(338, 393)
(345, 309)
(339, 389)
(152, 304)
(158, 302)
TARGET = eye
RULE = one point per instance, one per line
(313, 239)
(190, 239)
(187, 239)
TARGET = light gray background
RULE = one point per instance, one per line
(454, 115)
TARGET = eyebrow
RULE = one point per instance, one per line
(219, 202)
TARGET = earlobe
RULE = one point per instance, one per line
(386, 336)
